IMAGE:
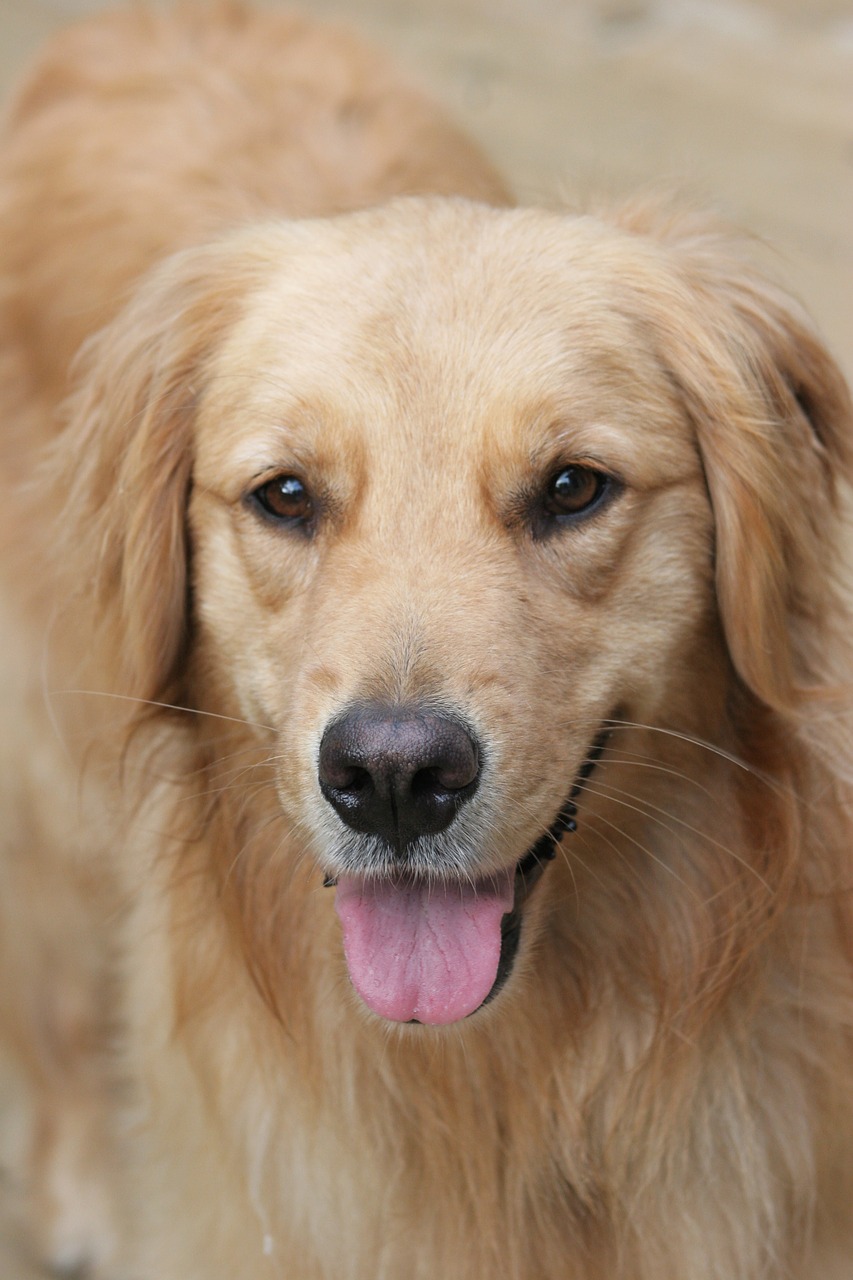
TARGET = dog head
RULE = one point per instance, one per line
(439, 495)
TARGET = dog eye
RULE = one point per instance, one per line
(575, 490)
(284, 499)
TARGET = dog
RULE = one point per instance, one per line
(426, 761)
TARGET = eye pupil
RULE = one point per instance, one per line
(573, 490)
(285, 498)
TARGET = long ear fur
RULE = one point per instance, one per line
(774, 425)
(127, 453)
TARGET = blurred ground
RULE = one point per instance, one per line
(747, 105)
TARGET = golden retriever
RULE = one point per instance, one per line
(426, 751)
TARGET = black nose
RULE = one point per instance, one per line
(397, 772)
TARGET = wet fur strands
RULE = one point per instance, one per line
(426, 765)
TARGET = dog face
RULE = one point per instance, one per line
(460, 489)
(427, 551)
(438, 547)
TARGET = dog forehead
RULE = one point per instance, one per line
(446, 278)
(444, 320)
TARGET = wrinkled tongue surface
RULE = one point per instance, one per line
(423, 952)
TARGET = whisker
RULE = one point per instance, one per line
(638, 761)
(573, 855)
(247, 792)
(223, 780)
(568, 847)
(167, 706)
(259, 830)
(651, 810)
(770, 782)
(215, 765)
(625, 835)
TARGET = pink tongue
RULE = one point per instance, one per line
(424, 952)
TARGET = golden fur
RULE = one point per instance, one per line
(662, 1090)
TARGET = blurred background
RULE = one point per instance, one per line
(743, 104)
(746, 105)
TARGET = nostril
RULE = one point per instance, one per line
(342, 777)
(457, 770)
(446, 777)
(398, 772)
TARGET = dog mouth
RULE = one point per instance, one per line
(434, 952)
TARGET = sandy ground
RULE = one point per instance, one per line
(748, 106)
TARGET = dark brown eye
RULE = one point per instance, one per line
(575, 490)
(284, 499)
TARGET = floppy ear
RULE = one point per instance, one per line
(126, 458)
(774, 425)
